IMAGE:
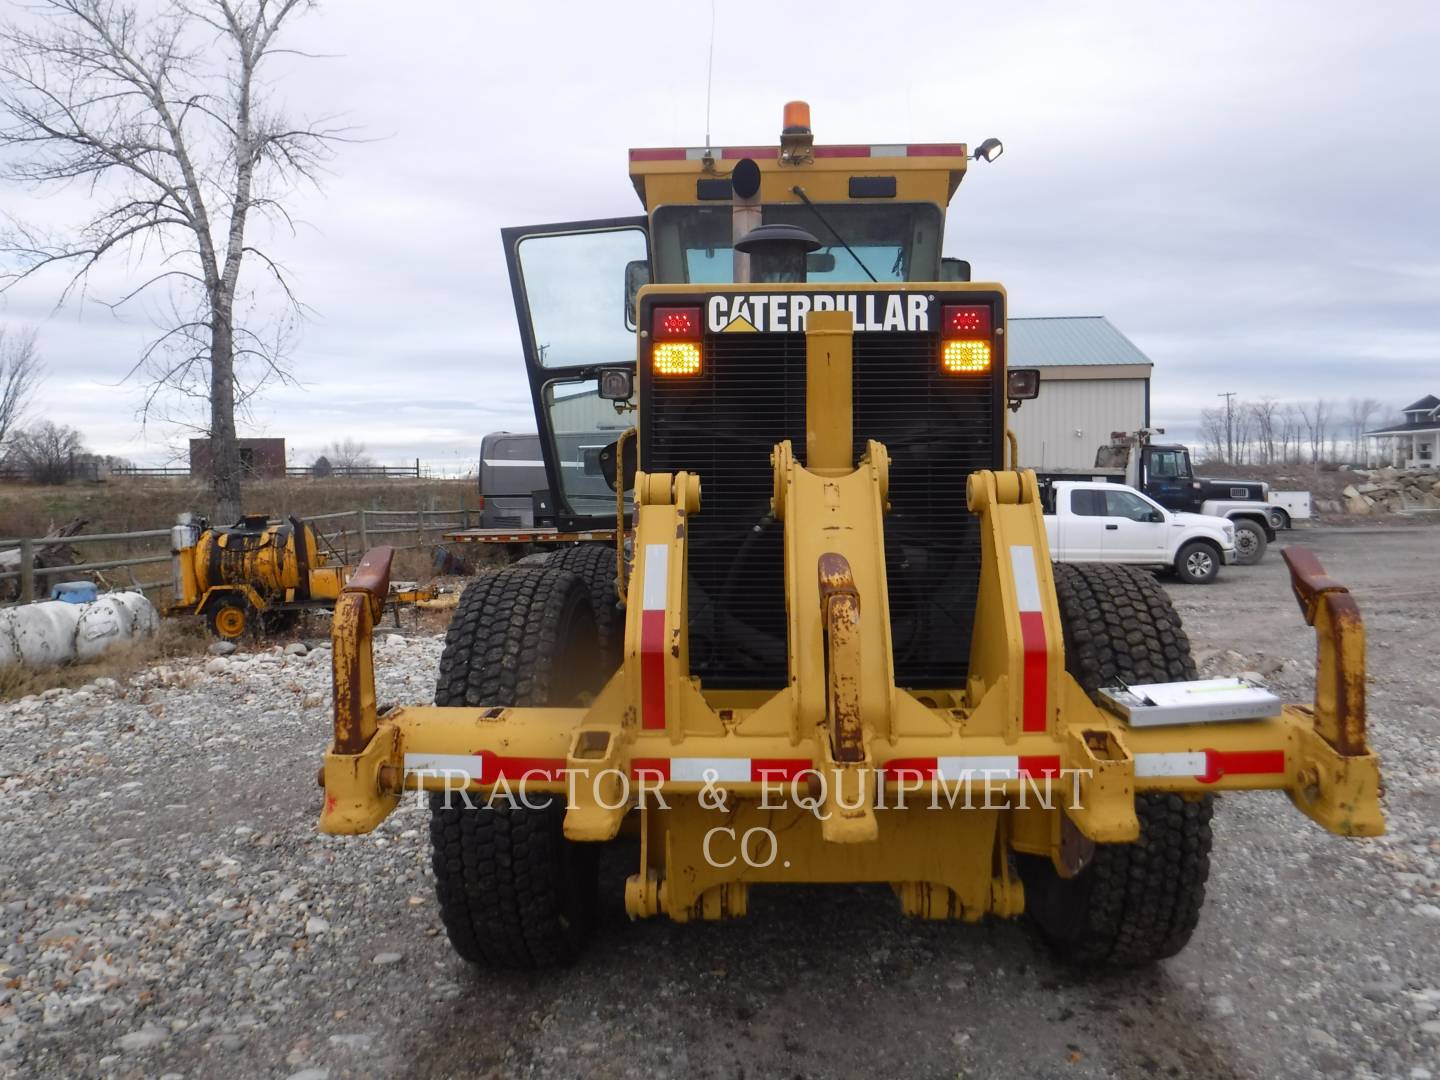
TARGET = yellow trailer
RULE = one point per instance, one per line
(849, 656)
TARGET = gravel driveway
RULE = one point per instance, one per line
(167, 908)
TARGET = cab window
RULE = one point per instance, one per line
(582, 424)
(1087, 503)
(573, 292)
(1168, 465)
(1126, 504)
(895, 241)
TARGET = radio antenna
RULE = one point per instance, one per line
(709, 75)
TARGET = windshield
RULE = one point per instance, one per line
(583, 424)
(895, 241)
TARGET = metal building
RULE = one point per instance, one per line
(258, 457)
(1093, 380)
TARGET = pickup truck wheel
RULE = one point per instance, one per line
(1250, 542)
(1279, 519)
(1136, 903)
(513, 891)
(1197, 563)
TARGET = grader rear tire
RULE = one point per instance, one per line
(596, 564)
(513, 892)
(1136, 903)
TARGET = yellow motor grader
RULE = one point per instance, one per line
(828, 643)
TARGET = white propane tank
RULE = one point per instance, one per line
(54, 632)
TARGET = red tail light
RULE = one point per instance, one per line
(966, 339)
(676, 335)
(676, 324)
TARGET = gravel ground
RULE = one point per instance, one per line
(167, 908)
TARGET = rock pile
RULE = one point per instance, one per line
(1389, 491)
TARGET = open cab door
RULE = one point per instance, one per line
(574, 285)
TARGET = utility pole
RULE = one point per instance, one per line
(1229, 397)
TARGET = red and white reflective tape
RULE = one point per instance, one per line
(974, 767)
(734, 153)
(1208, 766)
(701, 770)
(653, 591)
(486, 767)
(1032, 637)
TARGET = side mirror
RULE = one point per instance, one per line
(820, 262)
(1157, 516)
(616, 384)
(637, 276)
(627, 470)
(954, 270)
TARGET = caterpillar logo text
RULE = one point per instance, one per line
(784, 313)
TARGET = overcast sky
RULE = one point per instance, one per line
(1249, 191)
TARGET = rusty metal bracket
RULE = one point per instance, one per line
(840, 622)
(620, 531)
(356, 612)
(372, 578)
(1339, 651)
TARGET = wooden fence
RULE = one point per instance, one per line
(345, 535)
(335, 472)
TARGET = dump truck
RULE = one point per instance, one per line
(828, 643)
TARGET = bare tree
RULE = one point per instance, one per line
(346, 454)
(1362, 411)
(164, 121)
(47, 451)
(1214, 431)
(1289, 433)
(1316, 419)
(1243, 425)
(20, 372)
(1265, 414)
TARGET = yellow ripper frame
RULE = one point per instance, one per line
(847, 767)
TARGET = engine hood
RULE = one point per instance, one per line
(1200, 521)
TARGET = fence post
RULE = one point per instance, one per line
(27, 571)
(364, 538)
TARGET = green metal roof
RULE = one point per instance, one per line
(1070, 340)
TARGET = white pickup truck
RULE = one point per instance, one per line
(1100, 522)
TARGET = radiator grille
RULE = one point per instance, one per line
(722, 426)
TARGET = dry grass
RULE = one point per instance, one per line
(177, 637)
(130, 505)
(134, 505)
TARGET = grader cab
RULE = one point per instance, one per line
(828, 643)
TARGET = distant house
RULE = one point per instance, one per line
(258, 457)
(1413, 443)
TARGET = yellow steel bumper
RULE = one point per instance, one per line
(726, 767)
